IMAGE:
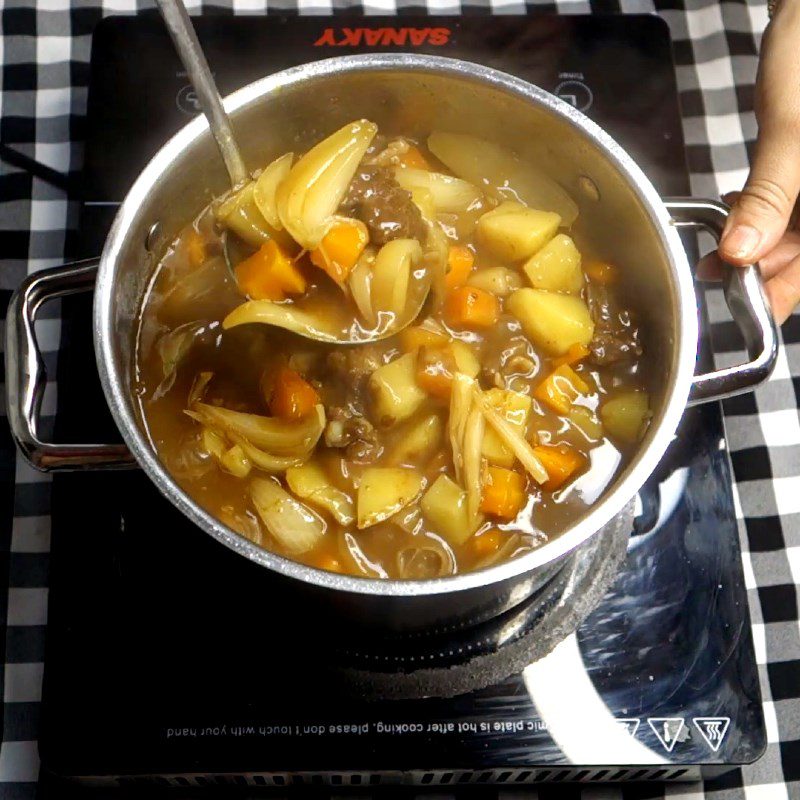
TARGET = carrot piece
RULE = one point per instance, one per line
(419, 336)
(577, 352)
(503, 493)
(269, 274)
(459, 266)
(561, 462)
(414, 159)
(560, 388)
(486, 543)
(339, 250)
(293, 397)
(601, 272)
(435, 369)
(468, 307)
(195, 247)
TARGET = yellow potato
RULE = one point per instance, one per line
(383, 491)
(394, 390)
(625, 415)
(512, 231)
(556, 267)
(445, 508)
(417, 440)
(499, 281)
(586, 422)
(552, 321)
(515, 409)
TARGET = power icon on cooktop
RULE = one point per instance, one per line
(576, 93)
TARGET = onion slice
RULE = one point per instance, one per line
(307, 198)
(266, 187)
(512, 439)
(276, 436)
(501, 173)
(297, 528)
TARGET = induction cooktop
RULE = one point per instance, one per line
(172, 662)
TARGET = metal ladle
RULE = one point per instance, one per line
(176, 18)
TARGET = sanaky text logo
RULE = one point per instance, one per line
(383, 37)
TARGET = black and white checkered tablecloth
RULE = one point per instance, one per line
(44, 51)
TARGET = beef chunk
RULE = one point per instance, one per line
(387, 210)
(351, 430)
(616, 337)
(351, 366)
(346, 372)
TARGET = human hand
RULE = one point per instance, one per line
(762, 225)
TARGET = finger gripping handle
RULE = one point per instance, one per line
(744, 294)
(26, 376)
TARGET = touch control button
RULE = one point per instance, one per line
(187, 101)
(575, 93)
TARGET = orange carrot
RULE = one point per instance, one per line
(459, 266)
(486, 543)
(468, 307)
(340, 249)
(418, 336)
(435, 368)
(577, 352)
(561, 462)
(560, 388)
(269, 274)
(601, 272)
(503, 493)
(293, 397)
(414, 159)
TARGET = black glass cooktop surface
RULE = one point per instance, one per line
(172, 660)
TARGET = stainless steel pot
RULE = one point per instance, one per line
(620, 209)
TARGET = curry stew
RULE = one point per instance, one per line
(479, 427)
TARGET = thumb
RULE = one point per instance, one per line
(761, 213)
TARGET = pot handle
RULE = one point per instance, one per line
(26, 377)
(744, 294)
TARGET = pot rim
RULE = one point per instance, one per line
(643, 465)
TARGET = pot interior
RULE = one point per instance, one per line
(299, 107)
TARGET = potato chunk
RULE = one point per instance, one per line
(416, 440)
(625, 415)
(552, 321)
(556, 267)
(515, 408)
(383, 491)
(445, 508)
(512, 231)
(395, 394)
(500, 281)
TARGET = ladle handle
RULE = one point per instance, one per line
(191, 54)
